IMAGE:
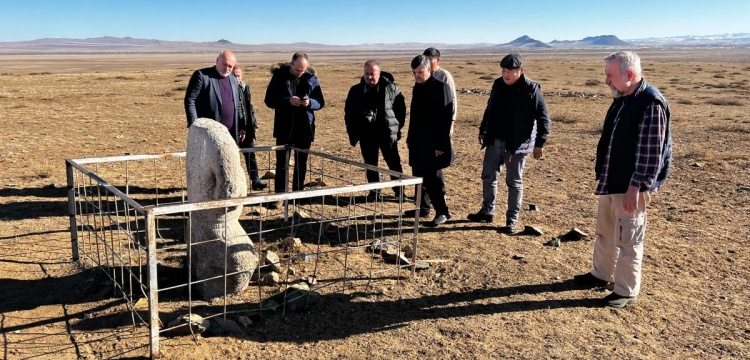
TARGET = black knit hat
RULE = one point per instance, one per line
(512, 61)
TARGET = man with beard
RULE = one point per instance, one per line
(212, 93)
(374, 114)
(429, 140)
(633, 158)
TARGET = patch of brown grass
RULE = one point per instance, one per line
(724, 102)
(730, 128)
(592, 82)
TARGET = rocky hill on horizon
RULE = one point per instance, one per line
(112, 44)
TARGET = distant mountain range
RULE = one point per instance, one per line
(110, 44)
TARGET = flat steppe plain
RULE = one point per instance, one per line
(480, 303)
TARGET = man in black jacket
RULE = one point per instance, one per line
(294, 93)
(212, 93)
(428, 139)
(374, 114)
(515, 123)
(250, 126)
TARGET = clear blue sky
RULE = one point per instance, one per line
(360, 22)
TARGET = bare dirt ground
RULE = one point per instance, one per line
(481, 303)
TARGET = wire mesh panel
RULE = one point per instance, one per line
(132, 218)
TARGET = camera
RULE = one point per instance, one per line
(370, 116)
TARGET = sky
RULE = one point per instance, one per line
(341, 22)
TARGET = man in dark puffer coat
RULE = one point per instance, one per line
(294, 93)
(374, 114)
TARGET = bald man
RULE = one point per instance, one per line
(213, 93)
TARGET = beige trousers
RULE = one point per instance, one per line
(618, 250)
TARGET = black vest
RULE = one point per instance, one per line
(625, 140)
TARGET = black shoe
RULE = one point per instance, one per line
(589, 281)
(507, 229)
(438, 220)
(413, 213)
(618, 301)
(480, 218)
(259, 184)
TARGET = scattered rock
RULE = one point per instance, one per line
(291, 271)
(272, 261)
(571, 94)
(698, 164)
(560, 180)
(6, 153)
(221, 327)
(296, 298)
(378, 246)
(270, 304)
(532, 230)
(291, 243)
(743, 188)
(518, 256)
(187, 325)
(310, 281)
(271, 278)
(533, 207)
(301, 215)
(141, 304)
(245, 321)
(394, 256)
(54, 186)
(268, 175)
(305, 257)
(408, 252)
(301, 285)
(318, 182)
(554, 242)
(421, 265)
(574, 235)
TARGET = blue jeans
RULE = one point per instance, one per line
(495, 156)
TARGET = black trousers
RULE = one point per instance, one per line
(370, 149)
(250, 162)
(300, 167)
(433, 190)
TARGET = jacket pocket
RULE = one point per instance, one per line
(632, 230)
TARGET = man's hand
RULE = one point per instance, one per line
(243, 133)
(295, 101)
(538, 153)
(481, 139)
(630, 199)
(438, 153)
(305, 101)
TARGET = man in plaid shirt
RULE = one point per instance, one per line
(632, 161)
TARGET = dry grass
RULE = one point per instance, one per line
(592, 82)
(724, 102)
(480, 303)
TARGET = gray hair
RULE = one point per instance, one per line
(420, 60)
(628, 61)
(373, 63)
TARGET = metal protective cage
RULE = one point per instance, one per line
(130, 217)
